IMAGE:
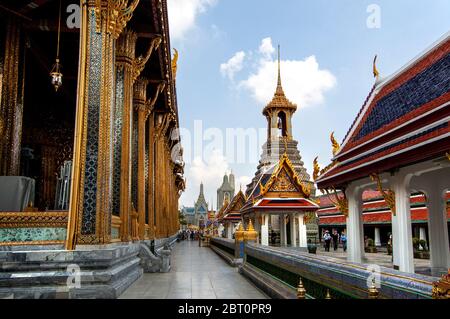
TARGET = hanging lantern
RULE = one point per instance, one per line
(55, 73)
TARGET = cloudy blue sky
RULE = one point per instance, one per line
(227, 71)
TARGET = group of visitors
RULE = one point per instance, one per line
(189, 234)
(334, 238)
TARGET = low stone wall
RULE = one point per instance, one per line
(225, 248)
(343, 279)
(103, 272)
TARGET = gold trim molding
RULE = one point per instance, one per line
(34, 242)
(34, 219)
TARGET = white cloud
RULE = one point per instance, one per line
(210, 172)
(242, 183)
(233, 65)
(183, 13)
(266, 48)
(304, 82)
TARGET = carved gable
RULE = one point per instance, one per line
(283, 183)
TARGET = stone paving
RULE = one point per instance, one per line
(197, 273)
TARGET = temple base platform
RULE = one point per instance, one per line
(104, 272)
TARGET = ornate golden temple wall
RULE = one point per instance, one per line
(11, 102)
(124, 187)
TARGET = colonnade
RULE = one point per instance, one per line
(433, 181)
(124, 175)
(298, 236)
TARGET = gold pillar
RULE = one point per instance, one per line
(151, 175)
(139, 100)
(126, 46)
(102, 21)
(11, 101)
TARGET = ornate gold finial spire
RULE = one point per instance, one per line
(279, 87)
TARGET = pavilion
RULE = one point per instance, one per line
(280, 192)
(399, 144)
(229, 215)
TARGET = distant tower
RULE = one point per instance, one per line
(226, 190)
(279, 114)
(200, 207)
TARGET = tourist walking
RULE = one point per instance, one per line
(327, 239)
(344, 241)
(335, 237)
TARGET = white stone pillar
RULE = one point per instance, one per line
(302, 232)
(377, 237)
(283, 233)
(265, 230)
(257, 226)
(437, 230)
(402, 232)
(293, 229)
(355, 232)
(229, 230)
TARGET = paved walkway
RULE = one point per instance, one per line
(198, 273)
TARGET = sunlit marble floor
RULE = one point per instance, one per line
(198, 273)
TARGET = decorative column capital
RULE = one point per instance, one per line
(115, 14)
(140, 90)
(126, 47)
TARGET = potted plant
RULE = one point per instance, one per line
(370, 246)
(312, 248)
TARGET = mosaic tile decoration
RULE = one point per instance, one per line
(90, 176)
(31, 234)
(146, 176)
(117, 142)
(115, 233)
(421, 89)
(134, 160)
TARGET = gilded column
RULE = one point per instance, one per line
(90, 209)
(11, 101)
(140, 98)
(123, 119)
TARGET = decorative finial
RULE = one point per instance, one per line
(334, 144)
(376, 74)
(279, 90)
(373, 291)
(316, 166)
(301, 291)
(279, 65)
(174, 64)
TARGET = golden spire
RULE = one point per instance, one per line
(279, 90)
(279, 99)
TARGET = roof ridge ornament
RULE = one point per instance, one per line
(376, 74)
(335, 144)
